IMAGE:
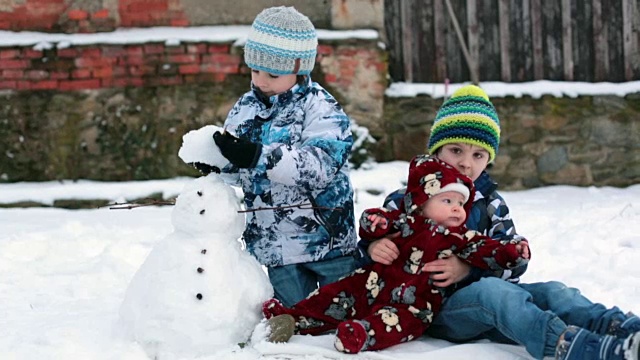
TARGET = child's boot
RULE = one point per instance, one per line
(625, 326)
(351, 337)
(282, 328)
(579, 344)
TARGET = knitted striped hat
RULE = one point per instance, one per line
(467, 117)
(282, 41)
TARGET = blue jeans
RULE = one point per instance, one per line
(533, 315)
(292, 283)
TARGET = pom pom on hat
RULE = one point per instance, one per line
(429, 176)
(282, 41)
(467, 117)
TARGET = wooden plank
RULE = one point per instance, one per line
(457, 70)
(426, 71)
(567, 40)
(601, 61)
(490, 40)
(393, 32)
(503, 24)
(536, 37)
(583, 54)
(551, 42)
(473, 40)
(627, 35)
(612, 22)
(439, 31)
(407, 37)
(524, 41)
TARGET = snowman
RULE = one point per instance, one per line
(198, 291)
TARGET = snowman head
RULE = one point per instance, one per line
(208, 206)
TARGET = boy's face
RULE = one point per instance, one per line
(469, 159)
(446, 208)
(271, 84)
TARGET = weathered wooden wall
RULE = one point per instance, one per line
(514, 41)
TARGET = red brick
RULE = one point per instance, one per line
(94, 62)
(221, 68)
(8, 85)
(114, 51)
(330, 78)
(79, 84)
(103, 72)
(9, 53)
(44, 85)
(122, 82)
(77, 14)
(81, 73)
(189, 69)
(90, 52)
(153, 48)
(37, 74)
(178, 49)
(219, 48)
(325, 50)
(134, 60)
(59, 75)
(196, 48)
(179, 22)
(67, 53)
(12, 74)
(32, 54)
(14, 64)
(134, 50)
(120, 71)
(100, 14)
(183, 58)
(225, 59)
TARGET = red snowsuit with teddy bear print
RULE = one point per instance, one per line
(378, 306)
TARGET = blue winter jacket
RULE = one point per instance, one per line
(489, 215)
(299, 197)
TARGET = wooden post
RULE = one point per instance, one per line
(536, 39)
(473, 35)
(600, 44)
(567, 42)
(505, 40)
(439, 42)
(407, 37)
(630, 52)
(474, 76)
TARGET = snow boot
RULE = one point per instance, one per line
(351, 337)
(273, 307)
(624, 327)
(282, 328)
(580, 344)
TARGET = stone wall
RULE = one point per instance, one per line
(590, 140)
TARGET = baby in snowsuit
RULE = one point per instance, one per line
(383, 305)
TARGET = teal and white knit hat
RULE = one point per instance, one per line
(282, 41)
(467, 117)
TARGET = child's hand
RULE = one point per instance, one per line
(377, 220)
(523, 249)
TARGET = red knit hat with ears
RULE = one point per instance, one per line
(429, 176)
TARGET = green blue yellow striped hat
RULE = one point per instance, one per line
(467, 117)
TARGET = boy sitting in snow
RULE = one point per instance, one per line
(379, 306)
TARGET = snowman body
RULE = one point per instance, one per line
(198, 291)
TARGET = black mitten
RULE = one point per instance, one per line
(205, 169)
(240, 152)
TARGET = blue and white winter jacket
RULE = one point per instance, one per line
(299, 197)
(489, 215)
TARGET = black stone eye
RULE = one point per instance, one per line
(201, 211)
(199, 296)
(200, 270)
(199, 193)
(204, 251)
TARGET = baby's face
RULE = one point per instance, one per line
(446, 209)
(271, 84)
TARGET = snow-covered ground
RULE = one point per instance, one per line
(64, 273)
